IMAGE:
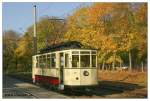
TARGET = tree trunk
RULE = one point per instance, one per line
(103, 65)
(120, 66)
(142, 66)
(114, 57)
(16, 63)
(107, 67)
(130, 61)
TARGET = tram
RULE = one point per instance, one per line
(65, 65)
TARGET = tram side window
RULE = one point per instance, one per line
(48, 61)
(53, 60)
(75, 60)
(37, 62)
(93, 60)
(66, 60)
(85, 60)
(40, 61)
(44, 61)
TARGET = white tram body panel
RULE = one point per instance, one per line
(47, 72)
(72, 67)
(78, 78)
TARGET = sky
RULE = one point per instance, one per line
(19, 16)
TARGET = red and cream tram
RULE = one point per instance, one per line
(65, 65)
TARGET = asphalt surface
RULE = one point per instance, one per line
(14, 88)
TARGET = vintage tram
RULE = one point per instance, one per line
(66, 65)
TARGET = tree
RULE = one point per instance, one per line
(10, 39)
(125, 29)
(117, 30)
(141, 22)
(110, 28)
(87, 25)
(49, 31)
(24, 52)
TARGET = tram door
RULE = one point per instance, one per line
(62, 62)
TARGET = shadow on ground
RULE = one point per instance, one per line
(106, 88)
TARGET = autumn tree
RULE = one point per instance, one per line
(141, 25)
(110, 28)
(87, 25)
(10, 39)
(49, 31)
(128, 29)
(24, 52)
(117, 30)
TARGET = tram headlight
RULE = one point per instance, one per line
(86, 73)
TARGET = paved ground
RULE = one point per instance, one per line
(13, 88)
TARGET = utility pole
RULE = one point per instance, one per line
(34, 36)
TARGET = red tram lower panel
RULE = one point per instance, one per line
(46, 79)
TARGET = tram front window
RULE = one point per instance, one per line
(75, 60)
(93, 60)
(85, 60)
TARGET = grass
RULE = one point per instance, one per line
(124, 76)
(131, 78)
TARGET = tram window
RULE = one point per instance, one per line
(75, 60)
(37, 62)
(93, 60)
(66, 60)
(93, 52)
(85, 52)
(44, 61)
(62, 60)
(53, 60)
(75, 52)
(40, 61)
(85, 60)
(48, 61)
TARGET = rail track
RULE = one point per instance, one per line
(17, 92)
(13, 88)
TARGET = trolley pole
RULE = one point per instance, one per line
(34, 36)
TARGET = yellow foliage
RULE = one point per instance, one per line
(117, 32)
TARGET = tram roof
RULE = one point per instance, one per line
(65, 46)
